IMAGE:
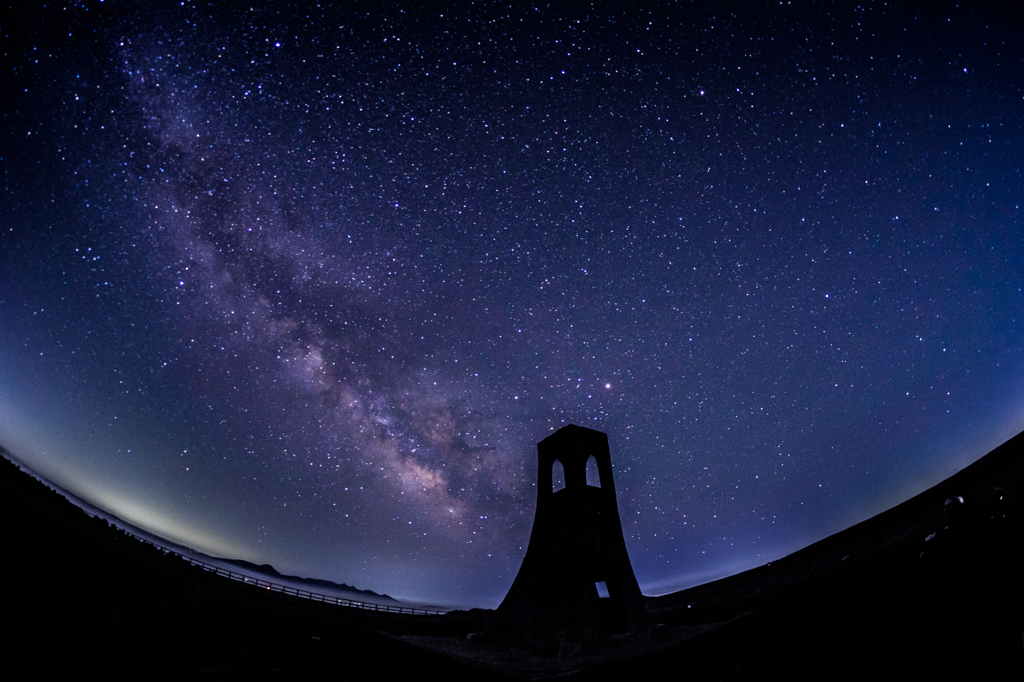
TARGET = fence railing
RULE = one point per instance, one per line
(293, 591)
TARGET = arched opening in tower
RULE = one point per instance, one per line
(593, 475)
(557, 477)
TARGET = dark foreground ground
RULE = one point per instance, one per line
(934, 587)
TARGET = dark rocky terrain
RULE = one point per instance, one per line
(932, 587)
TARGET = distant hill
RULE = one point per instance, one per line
(273, 574)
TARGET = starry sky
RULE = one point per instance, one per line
(304, 284)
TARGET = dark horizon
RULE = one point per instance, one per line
(928, 588)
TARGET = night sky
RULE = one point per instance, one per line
(305, 286)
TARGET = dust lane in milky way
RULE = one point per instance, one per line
(305, 286)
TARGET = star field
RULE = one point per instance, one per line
(304, 285)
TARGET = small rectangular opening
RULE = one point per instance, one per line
(602, 589)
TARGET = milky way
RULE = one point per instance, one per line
(305, 286)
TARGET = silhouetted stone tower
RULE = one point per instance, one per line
(576, 582)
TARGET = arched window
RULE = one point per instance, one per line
(557, 477)
(593, 475)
